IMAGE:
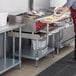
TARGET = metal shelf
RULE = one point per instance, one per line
(10, 63)
(35, 55)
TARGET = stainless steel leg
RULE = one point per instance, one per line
(37, 59)
(37, 43)
(47, 33)
(57, 50)
(5, 50)
(53, 44)
(20, 46)
(13, 49)
(59, 40)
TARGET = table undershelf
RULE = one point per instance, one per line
(33, 54)
(10, 63)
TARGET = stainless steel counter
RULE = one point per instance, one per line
(8, 27)
(8, 63)
(38, 54)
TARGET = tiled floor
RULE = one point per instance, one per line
(28, 66)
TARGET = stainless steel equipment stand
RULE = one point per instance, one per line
(8, 63)
(36, 54)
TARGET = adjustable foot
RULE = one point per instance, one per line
(37, 62)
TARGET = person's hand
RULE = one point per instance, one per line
(57, 11)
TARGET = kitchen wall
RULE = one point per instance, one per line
(13, 6)
(57, 3)
(2, 5)
(41, 4)
(18, 6)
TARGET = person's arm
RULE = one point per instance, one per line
(62, 11)
(65, 7)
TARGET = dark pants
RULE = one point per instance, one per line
(75, 48)
(73, 15)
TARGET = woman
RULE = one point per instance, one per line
(70, 5)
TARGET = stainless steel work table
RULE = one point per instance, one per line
(8, 63)
(37, 54)
(58, 29)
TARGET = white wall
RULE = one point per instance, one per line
(13, 6)
(19, 6)
(45, 4)
(57, 3)
(2, 5)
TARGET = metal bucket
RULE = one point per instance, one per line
(39, 44)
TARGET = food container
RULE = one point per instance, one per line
(13, 19)
(40, 45)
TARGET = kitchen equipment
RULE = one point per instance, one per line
(30, 4)
(13, 19)
(31, 22)
(41, 44)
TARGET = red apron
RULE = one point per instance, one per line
(73, 15)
